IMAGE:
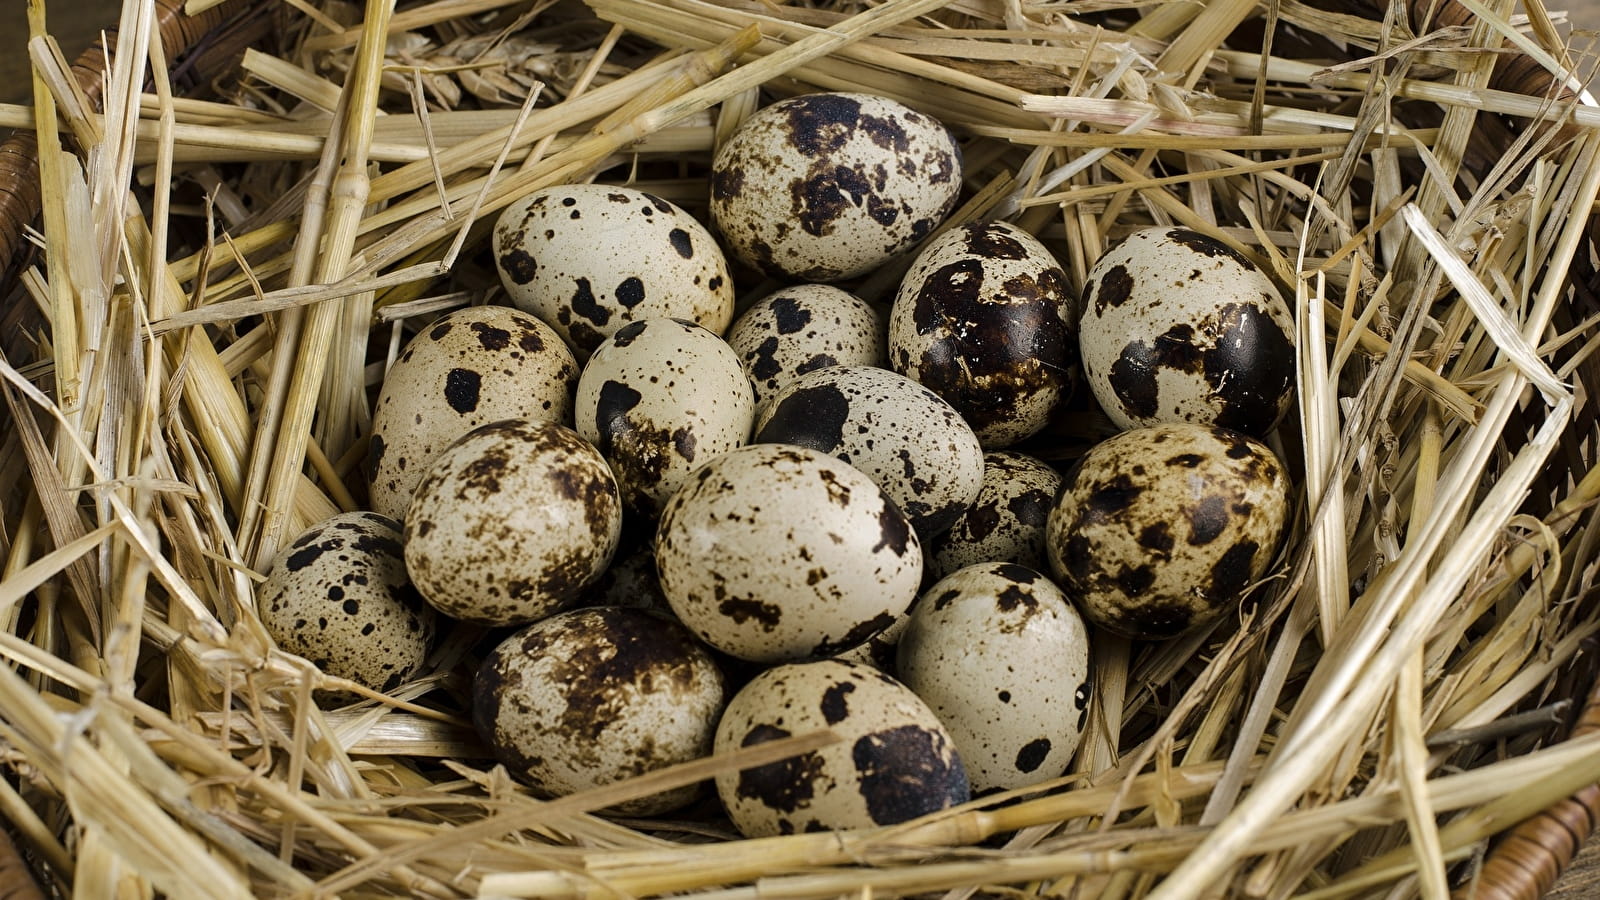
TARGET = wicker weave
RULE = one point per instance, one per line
(1525, 862)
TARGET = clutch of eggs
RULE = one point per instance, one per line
(777, 502)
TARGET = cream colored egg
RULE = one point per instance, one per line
(593, 696)
(824, 187)
(773, 553)
(895, 760)
(511, 523)
(1163, 528)
(801, 329)
(1179, 327)
(1003, 660)
(590, 258)
(660, 398)
(339, 596)
(471, 367)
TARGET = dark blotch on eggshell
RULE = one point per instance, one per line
(786, 785)
(1207, 246)
(894, 529)
(990, 242)
(492, 338)
(744, 609)
(1032, 754)
(519, 266)
(584, 303)
(1113, 289)
(630, 292)
(789, 315)
(858, 634)
(835, 705)
(811, 417)
(1207, 520)
(908, 772)
(1251, 367)
(310, 553)
(819, 124)
(461, 388)
(629, 650)
(1231, 575)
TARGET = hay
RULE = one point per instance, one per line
(224, 279)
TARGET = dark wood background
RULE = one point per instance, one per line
(75, 23)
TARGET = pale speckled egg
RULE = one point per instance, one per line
(904, 436)
(801, 329)
(339, 596)
(774, 553)
(985, 319)
(660, 397)
(1002, 659)
(512, 522)
(590, 258)
(824, 187)
(1179, 327)
(1161, 529)
(593, 696)
(1006, 521)
(469, 368)
(895, 760)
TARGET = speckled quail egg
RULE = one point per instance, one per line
(512, 522)
(1162, 528)
(593, 696)
(823, 187)
(660, 397)
(630, 580)
(912, 443)
(590, 258)
(339, 596)
(773, 553)
(803, 328)
(985, 319)
(1006, 522)
(895, 760)
(1179, 327)
(1002, 659)
(471, 367)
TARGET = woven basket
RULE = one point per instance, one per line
(1523, 862)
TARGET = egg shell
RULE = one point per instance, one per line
(593, 696)
(824, 187)
(511, 523)
(773, 553)
(1162, 528)
(894, 761)
(985, 319)
(1179, 327)
(469, 368)
(904, 436)
(803, 328)
(339, 596)
(1006, 523)
(590, 258)
(1002, 658)
(659, 398)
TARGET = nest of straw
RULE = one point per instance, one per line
(227, 261)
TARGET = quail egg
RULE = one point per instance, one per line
(1179, 327)
(593, 696)
(1006, 521)
(1003, 660)
(773, 553)
(339, 596)
(469, 368)
(590, 258)
(911, 442)
(895, 761)
(660, 397)
(985, 319)
(824, 187)
(803, 328)
(1162, 528)
(511, 523)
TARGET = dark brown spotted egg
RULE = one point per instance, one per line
(895, 760)
(593, 696)
(512, 522)
(984, 318)
(339, 596)
(773, 553)
(1006, 521)
(904, 436)
(1162, 528)
(823, 187)
(1180, 327)
(471, 367)
(590, 258)
(1002, 659)
(659, 398)
(801, 329)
